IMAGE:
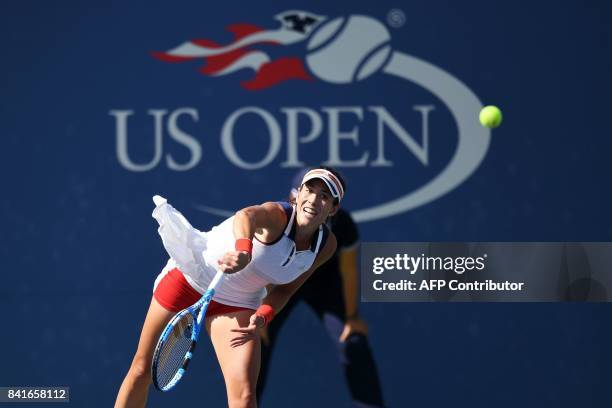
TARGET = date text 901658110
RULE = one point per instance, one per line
(34, 394)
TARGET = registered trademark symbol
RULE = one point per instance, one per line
(396, 18)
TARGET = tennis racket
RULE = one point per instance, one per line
(177, 342)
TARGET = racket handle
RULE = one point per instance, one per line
(215, 280)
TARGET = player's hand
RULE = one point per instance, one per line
(353, 325)
(248, 333)
(233, 261)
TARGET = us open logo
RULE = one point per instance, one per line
(341, 51)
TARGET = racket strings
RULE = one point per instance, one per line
(173, 351)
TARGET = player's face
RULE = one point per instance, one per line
(314, 203)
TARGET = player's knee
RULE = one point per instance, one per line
(246, 400)
(242, 396)
(140, 369)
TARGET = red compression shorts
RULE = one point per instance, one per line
(174, 293)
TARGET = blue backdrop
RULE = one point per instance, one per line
(93, 124)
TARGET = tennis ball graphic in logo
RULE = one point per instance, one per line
(348, 49)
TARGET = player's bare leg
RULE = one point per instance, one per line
(239, 363)
(135, 387)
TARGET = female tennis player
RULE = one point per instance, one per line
(275, 243)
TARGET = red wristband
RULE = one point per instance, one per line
(244, 245)
(267, 312)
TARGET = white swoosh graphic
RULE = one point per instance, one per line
(214, 211)
(253, 60)
(282, 36)
(473, 138)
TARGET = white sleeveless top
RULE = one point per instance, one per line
(196, 253)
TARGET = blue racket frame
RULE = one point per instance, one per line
(197, 310)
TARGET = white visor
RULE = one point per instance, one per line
(331, 181)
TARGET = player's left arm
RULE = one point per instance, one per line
(278, 297)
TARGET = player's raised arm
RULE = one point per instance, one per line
(265, 220)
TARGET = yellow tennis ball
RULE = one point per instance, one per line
(490, 116)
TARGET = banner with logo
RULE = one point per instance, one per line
(217, 105)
